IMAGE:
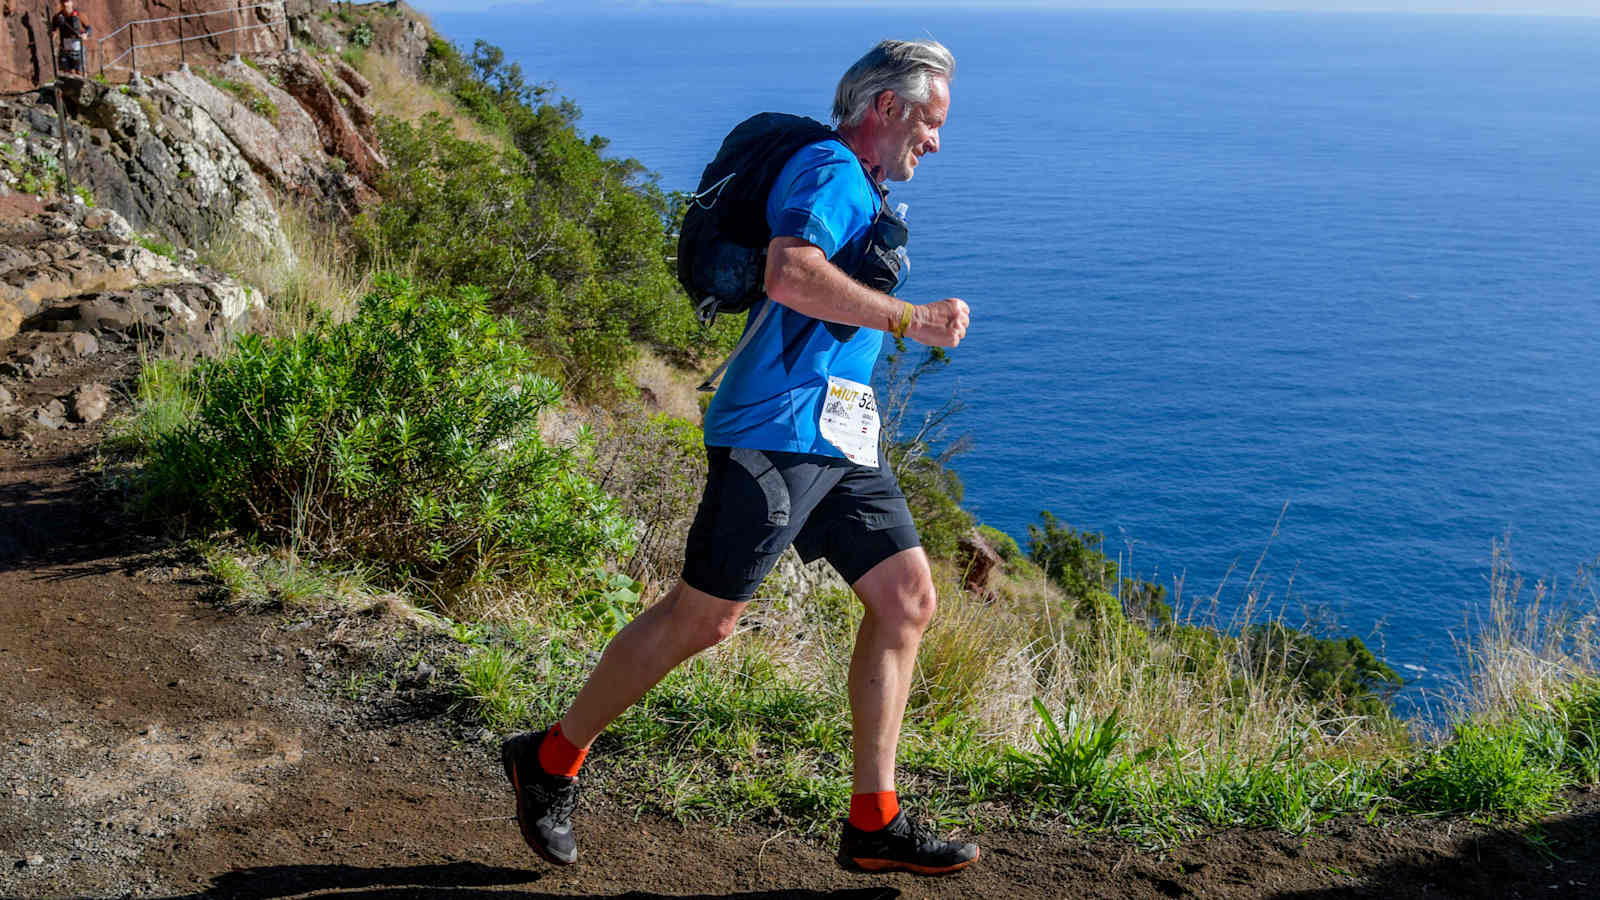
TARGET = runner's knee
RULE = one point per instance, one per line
(923, 603)
(909, 607)
(700, 621)
(709, 633)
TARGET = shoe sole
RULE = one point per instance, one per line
(516, 799)
(895, 865)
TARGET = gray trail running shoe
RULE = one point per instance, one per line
(545, 802)
(903, 845)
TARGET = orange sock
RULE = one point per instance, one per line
(559, 756)
(870, 812)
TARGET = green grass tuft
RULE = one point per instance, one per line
(1499, 770)
(253, 98)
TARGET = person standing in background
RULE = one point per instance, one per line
(70, 30)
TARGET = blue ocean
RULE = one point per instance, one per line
(1312, 296)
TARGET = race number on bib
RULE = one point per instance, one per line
(850, 421)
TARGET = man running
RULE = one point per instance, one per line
(792, 444)
(70, 30)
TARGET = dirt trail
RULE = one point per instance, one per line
(154, 745)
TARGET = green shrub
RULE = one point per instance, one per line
(483, 82)
(933, 493)
(1002, 543)
(1339, 672)
(593, 273)
(361, 36)
(405, 438)
(1072, 559)
(441, 62)
(558, 240)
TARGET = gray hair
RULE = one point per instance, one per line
(904, 67)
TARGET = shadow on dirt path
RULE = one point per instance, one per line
(46, 513)
(1555, 858)
(456, 881)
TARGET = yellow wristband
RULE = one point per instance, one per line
(906, 310)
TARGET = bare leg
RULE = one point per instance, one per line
(899, 599)
(678, 626)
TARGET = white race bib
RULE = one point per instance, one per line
(850, 421)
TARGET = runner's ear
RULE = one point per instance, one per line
(885, 103)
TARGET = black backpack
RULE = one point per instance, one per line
(722, 244)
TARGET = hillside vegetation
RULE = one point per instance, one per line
(469, 441)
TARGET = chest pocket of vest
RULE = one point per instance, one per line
(884, 263)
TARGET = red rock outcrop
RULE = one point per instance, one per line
(978, 562)
(345, 123)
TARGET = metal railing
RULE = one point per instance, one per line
(182, 39)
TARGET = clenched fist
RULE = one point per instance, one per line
(941, 324)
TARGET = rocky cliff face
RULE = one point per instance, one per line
(91, 281)
(79, 303)
(186, 159)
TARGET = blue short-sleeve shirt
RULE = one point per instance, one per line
(771, 397)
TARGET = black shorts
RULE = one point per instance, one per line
(758, 502)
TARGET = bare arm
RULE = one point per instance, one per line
(800, 277)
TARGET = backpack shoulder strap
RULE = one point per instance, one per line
(710, 384)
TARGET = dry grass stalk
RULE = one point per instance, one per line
(397, 92)
(667, 387)
(1528, 650)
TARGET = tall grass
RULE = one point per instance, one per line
(162, 403)
(1532, 644)
(398, 92)
(1526, 716)
(311, 278)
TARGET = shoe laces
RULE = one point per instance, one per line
(562, 794)
(922, 834)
